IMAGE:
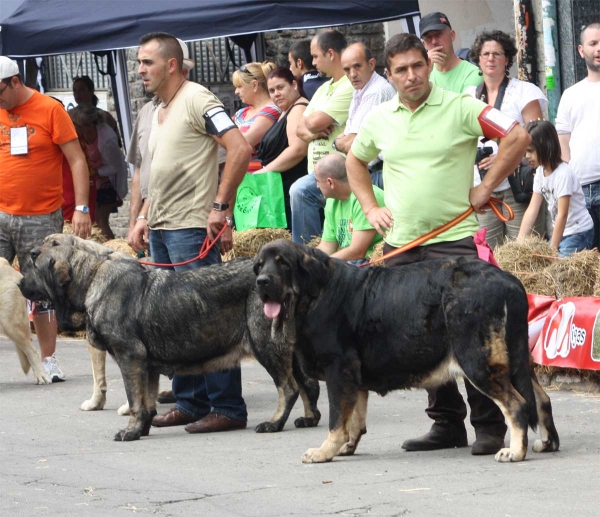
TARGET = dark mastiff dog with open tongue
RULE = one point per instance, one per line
(379, 329)
(155, 322)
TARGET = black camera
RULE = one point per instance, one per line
(483, 152)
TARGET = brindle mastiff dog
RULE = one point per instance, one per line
(380, 329)
(155, 321)
(98, 357)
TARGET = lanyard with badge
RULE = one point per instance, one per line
(18, 140)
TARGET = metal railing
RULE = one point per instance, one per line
(213, 65)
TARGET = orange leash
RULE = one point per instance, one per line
(494, 203)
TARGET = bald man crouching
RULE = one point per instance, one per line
(347, 234)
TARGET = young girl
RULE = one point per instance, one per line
(557, 183)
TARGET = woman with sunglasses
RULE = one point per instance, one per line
(494, 52)
(280, 149)
(260, 113)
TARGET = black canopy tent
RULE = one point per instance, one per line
(42, 27)
(46, 27)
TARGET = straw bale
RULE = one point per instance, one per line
(248, 242)
(120, 245)
(96, 234)
(531, 254)
(575, 275)
(314, 242)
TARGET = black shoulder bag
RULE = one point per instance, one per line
(521, 180)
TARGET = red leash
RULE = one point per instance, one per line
(207, 245)
(494, 203)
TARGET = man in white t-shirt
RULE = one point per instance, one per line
(370, 90)
(578, 125)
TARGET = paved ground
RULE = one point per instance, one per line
(58, 460)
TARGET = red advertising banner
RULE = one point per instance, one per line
(565, 332)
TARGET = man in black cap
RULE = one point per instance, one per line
(449, 71)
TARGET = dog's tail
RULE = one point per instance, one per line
(518, 350)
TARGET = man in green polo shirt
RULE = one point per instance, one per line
(449, 71)
(428, 137)
(347, 234)
(324, 120)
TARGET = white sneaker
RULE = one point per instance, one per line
(52, 369)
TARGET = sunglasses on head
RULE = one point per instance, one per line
(244, 69)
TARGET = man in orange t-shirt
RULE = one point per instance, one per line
(35, 134)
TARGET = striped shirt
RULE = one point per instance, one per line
(376, 91)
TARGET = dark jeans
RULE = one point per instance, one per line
(591, 191)
(197, 395)
(446, 405)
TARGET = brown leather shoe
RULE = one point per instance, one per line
(166, 397)
(215, 423)
(172, 417)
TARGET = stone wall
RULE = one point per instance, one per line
(371, 34)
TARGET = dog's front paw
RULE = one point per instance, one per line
(316, 456)
(505, 455)
(125, 435)
(348, 449)
(268, 427)
(547, 446)
(94, 404)
(303, 422)
(42, 378)
(124, 410)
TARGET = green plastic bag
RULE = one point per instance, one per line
(259, 202)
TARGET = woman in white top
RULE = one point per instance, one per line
(556, 182)
(495, 51)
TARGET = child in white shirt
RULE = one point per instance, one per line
(556, 182)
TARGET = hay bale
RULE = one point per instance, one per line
(120, 245)
(96, 234)
(528, 259)
(248, 242)
(575, 275)
(531, 254)
(314, 242)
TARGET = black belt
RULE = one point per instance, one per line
(377, 167)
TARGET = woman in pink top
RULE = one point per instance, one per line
(107, 160)
(260, 113)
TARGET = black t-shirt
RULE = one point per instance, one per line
(311, 82)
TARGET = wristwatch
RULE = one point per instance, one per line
(84, 209)
(220, 207)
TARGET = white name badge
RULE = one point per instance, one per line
(18, 140)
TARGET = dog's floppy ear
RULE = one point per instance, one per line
(313, 270)
(62, 272)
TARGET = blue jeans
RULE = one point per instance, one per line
(591, 191)
(198, 395)
(576, 242)
(306, 200)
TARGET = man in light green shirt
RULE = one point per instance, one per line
(449, 71)
(324, 120)
(428, 138)
(347, 234)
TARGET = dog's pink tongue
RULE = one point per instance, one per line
(272, 309)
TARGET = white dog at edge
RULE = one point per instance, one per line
(14, 322)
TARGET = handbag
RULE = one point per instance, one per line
(259, 202)
(521, 183)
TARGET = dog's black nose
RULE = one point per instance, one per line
(34, 253)
(263, 280)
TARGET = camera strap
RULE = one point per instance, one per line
(481, 93)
